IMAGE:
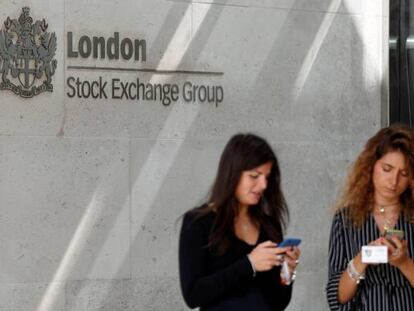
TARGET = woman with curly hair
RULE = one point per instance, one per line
(228, 256)
(378, 196)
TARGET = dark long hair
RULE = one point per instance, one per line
(245, 152)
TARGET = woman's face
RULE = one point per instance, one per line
(391, 177)
(252, 184)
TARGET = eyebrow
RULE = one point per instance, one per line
(257, 172)
(260, 173)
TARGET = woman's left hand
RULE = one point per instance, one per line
(292, 258)
(398, 253)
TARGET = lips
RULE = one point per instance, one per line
(390, 193)
(256, 195)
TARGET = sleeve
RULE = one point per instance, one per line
(337, 264)
(198, 286)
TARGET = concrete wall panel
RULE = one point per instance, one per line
(146, 20)
(334, 6)
(92, 190)
(124, 295)
(299, 86)
(65, 209)
(41, 115)
(165, 183)
(29, 296)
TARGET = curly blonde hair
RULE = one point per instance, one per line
(357, 194)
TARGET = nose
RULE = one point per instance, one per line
(394, 179)
(263, 183)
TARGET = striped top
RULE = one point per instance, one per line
(384, 288)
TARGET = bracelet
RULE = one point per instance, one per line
(287, 277)
(293, 277)
(353, 272)
(291, 280)
(251, 263)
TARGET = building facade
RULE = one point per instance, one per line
(113, 115)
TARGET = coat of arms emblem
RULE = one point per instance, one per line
(27, 53)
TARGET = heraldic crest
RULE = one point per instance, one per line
(26, 54)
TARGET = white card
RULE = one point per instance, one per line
(374, 254)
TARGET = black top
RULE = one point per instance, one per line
(225, 282)
(385, 288)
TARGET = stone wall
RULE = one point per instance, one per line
(92, 190)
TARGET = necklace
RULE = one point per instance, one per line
(382, 207)
(389, 220)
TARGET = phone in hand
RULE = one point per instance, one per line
(394, 233)
(290, 242)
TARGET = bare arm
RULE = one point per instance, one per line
(348, 286)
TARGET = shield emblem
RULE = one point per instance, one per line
(26, 68)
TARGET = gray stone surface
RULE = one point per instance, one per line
(29, 296)
(65, 209)
(91, 191)
(334, 6)
(156, 293)
(165, 183)
(256, 91)
(309, 292)
(166, 26)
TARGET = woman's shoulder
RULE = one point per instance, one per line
(342, 213)
(344, 217)
(199, 216)
(341, 217)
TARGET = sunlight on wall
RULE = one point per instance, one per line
(75, 247)
(314, 49)
(184, 118)
(372, 41)
(147, 192)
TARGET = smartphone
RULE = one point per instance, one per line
(289, 242)
(393, 232)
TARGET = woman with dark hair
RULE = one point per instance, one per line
(228, 256)
(378, 197)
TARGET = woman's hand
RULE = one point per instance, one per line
(292, 258)
(397, 253)
(267, 255)
(377, 242)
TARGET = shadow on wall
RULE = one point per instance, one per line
(312, 80)
(152, 164)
